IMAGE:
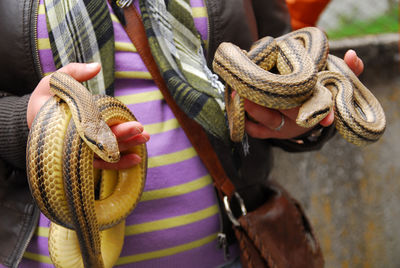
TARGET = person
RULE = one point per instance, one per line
(305, 13)
(178, 218)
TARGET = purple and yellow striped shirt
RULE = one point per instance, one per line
(176, 222)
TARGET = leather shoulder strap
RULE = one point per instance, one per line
(197, 136)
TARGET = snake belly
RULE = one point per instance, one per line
(295, 70)
(61, 176)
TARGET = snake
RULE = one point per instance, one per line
(296, 70)
(87, 207)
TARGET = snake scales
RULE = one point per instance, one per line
(64, 184)
(305, 75)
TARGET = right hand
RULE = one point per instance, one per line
(79, 71)
(128, 134)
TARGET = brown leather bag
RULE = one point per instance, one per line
(277, 234)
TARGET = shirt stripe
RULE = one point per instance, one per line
(132, 74)
(125, 46)
(177, 190)
(171, 222)
(157, 128)
(141, 97)
(167, 251)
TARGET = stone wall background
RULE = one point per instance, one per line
(351, 194)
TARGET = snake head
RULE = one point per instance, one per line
(105, 144)
(110, 155)
(108, 144)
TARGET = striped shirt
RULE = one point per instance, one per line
(176, 221)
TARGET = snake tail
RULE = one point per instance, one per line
(234, 102)
(81, 197)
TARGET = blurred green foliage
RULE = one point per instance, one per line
(349, 27)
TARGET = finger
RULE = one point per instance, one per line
(134, 141)
(354, 62)
(262, 115)
(288, 130)
(81, 71)
(126, 161)
(259, 131)
(328, 120)
(127, 130)
(291, 113)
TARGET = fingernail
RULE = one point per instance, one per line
(351, 51)
(355, 57)
(137, 130)
(93, 65)
(356, 63)
(144, 138)
(138, 160)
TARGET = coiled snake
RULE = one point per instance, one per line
(306, 76)
(63, 183)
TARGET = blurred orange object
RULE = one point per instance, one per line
(305, 13)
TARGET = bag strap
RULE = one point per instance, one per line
(197, 136)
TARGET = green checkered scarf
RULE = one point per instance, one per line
(81, 31)
(177, 48)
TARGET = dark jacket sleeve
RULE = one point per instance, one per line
(13, 129)
(272, 17)
(306, 142)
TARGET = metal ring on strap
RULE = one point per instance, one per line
(229, 211)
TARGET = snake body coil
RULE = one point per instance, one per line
(60, 156)
(295, 70)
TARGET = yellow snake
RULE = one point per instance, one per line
(296, 70)
(64, 184)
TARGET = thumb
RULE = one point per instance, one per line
(354, 62)
(81, 71)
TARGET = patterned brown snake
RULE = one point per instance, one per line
(305, 75)
(63, 182)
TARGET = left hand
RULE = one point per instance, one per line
(128, 134)
(266, 120)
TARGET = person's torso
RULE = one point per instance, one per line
(177, 219)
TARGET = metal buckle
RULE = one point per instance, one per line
(229, 212)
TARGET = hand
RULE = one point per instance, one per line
(266, 120)
(80, 71)
(128, 134)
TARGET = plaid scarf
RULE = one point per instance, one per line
(177, 49)
(81, 31)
